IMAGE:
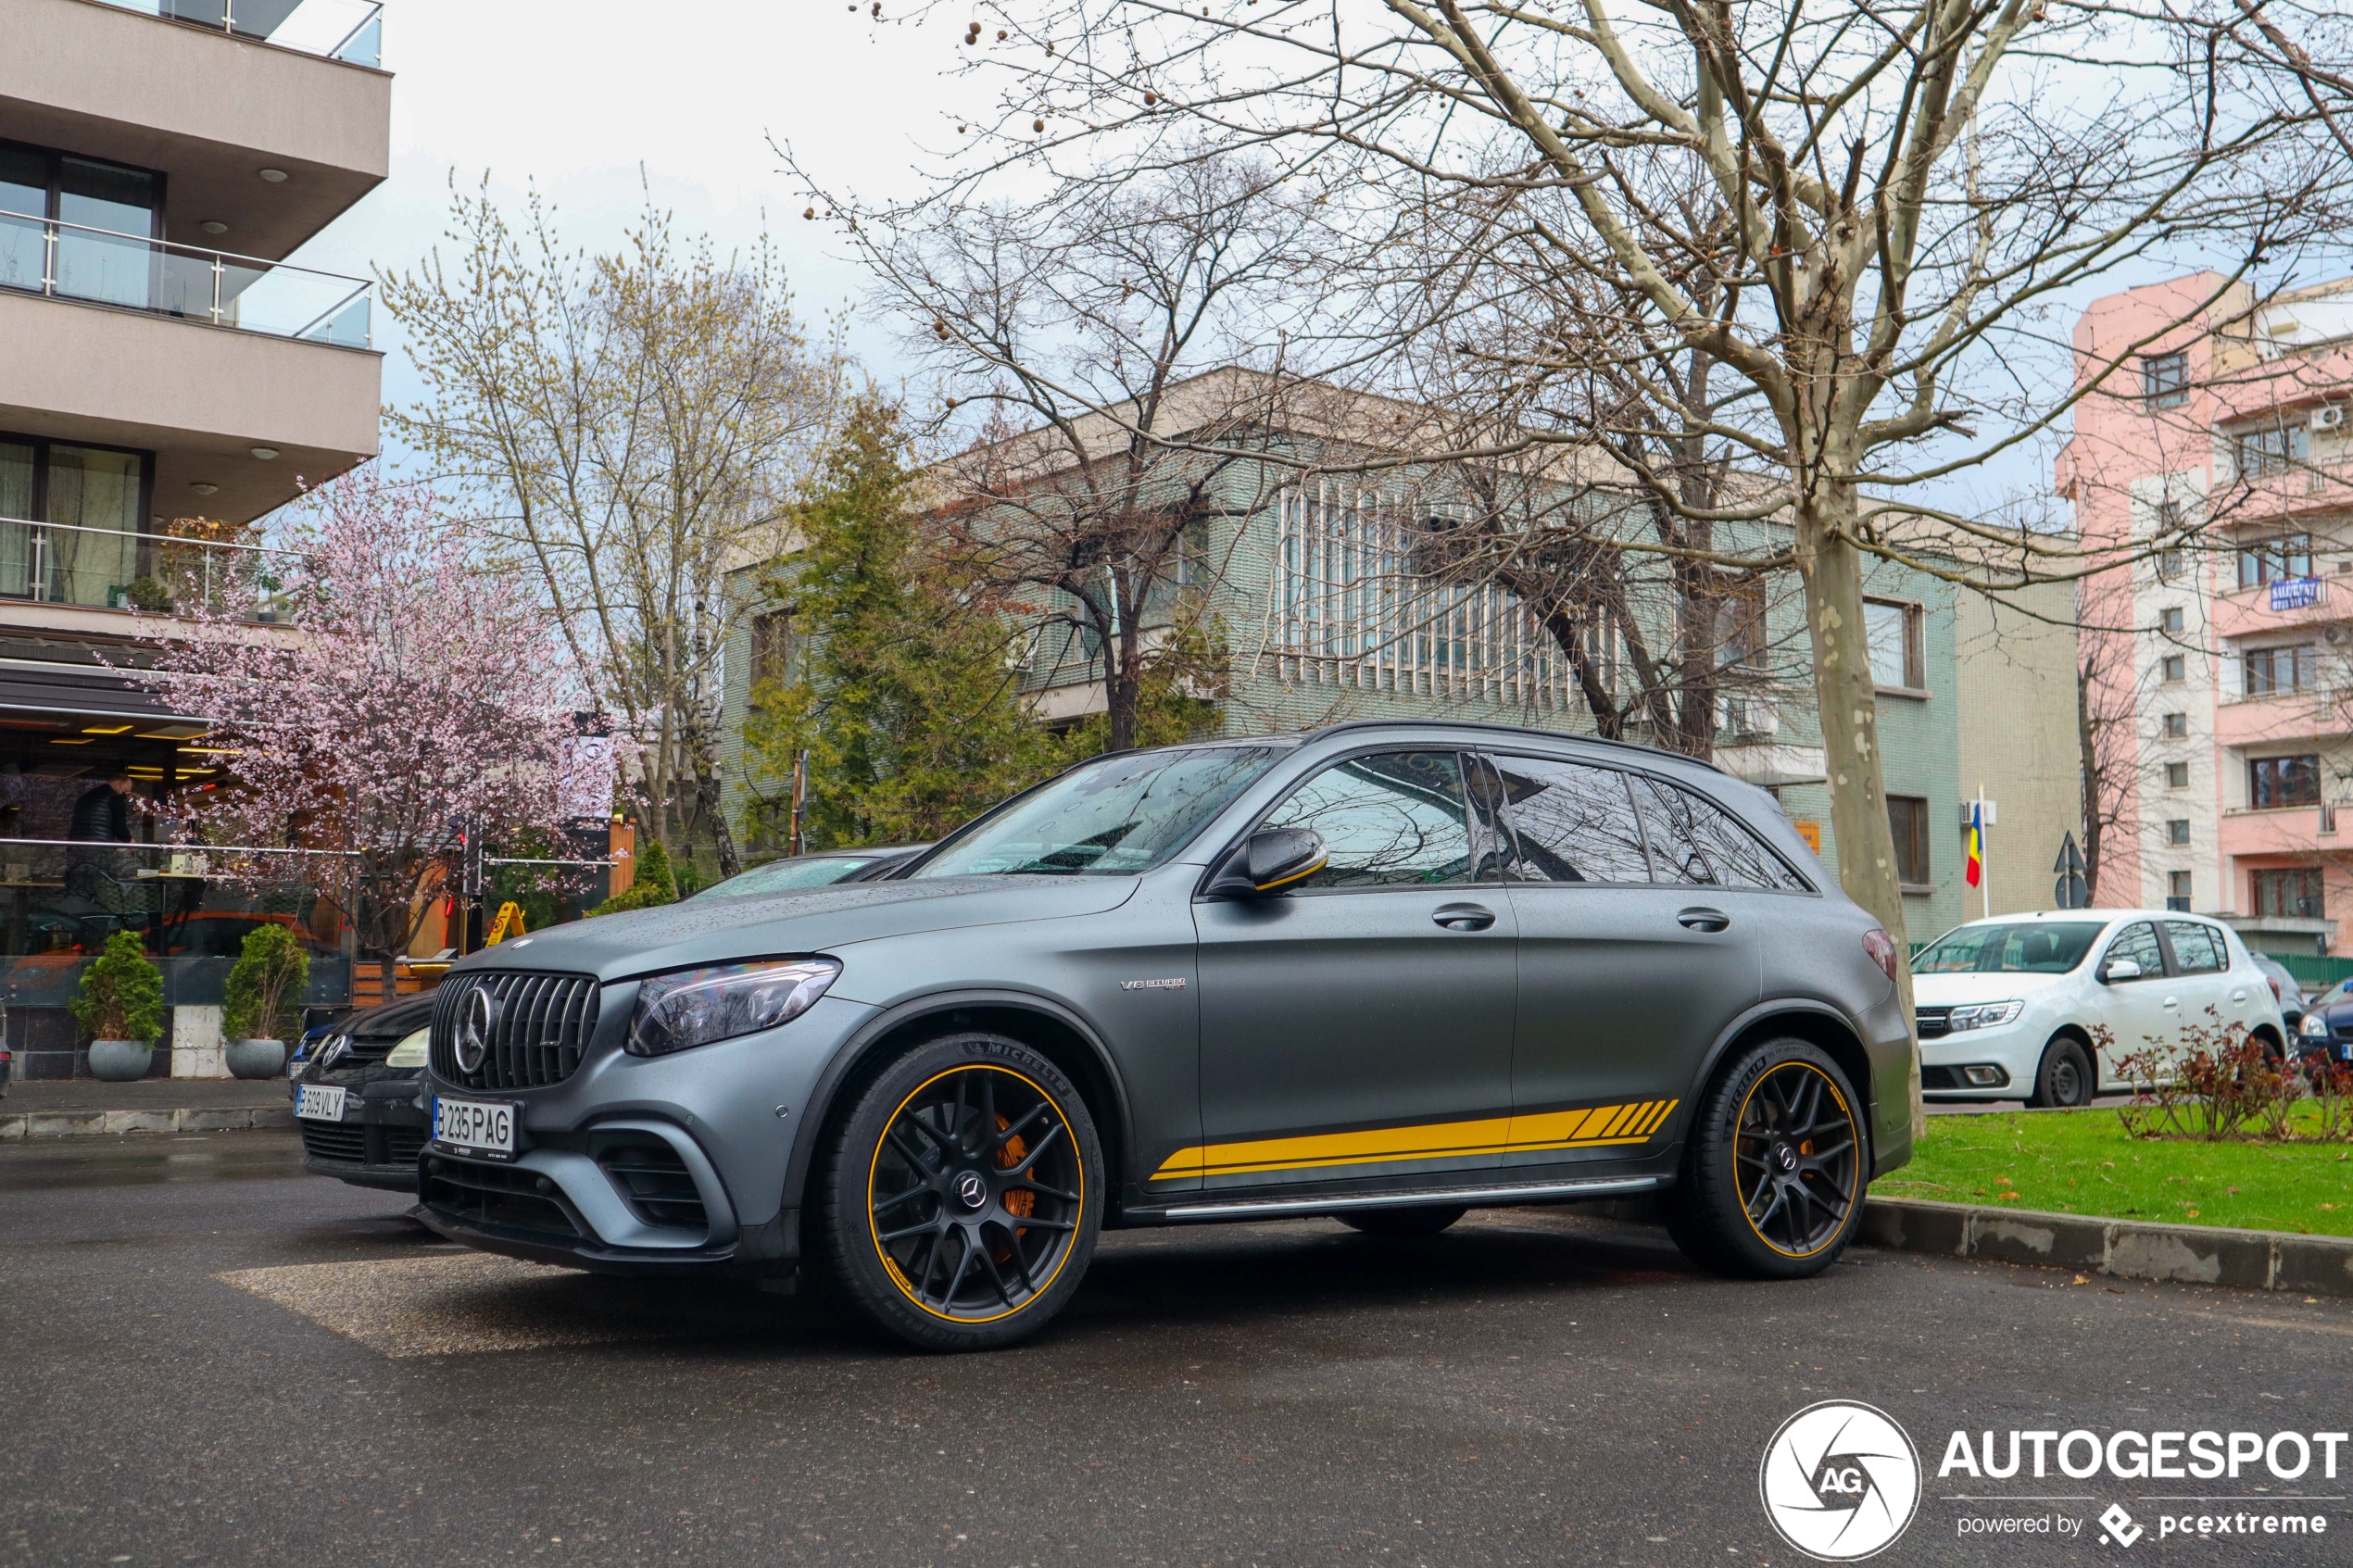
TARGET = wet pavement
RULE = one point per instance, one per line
(211, 1358)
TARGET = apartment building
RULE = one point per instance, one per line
(166, 378)
(2220, 659)
(1333, 603)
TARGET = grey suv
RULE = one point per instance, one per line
(1380, 971)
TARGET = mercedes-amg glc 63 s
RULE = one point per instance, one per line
(1382, 972)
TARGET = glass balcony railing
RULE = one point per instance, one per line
(68, 261)
(350, 30)
(113, 569)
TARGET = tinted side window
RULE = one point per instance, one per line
(2195, 945)
(2139, 944)
(1738, 856)
(1571, 822)
(1671, 823)
(1394, 817)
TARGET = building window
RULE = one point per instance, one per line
(2177, 726)
(2283, 781)
(2177, 775)
(2170, 565)
(2169, 621)
(2268, 560)
(2165, 379)
(113, 199)
(2274, 449)
(2177, 890)
(1894, 632)
(2177, 668)
(2272, 671)
(1907, 816)
(1740, 624)
(771, 647)
(2294, 893)
(2177, 831)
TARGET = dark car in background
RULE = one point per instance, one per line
(355, 1095)
(2325, 1032)
(1381, 971)
(821, 869)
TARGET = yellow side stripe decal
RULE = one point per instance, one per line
(1590, 1128)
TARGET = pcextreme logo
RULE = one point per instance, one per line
(1839, 1480)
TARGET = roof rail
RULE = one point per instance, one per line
(1346, 725)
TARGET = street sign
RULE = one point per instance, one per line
(2071, 891)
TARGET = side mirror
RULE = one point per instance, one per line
(2119, 969)
(1272, 859)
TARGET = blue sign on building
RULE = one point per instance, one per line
(2295, 593)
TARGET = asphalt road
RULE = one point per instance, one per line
(210, 1358)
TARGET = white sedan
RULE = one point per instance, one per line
(2044, 1007)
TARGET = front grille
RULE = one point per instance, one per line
(1934, 1021)
(654, 1180)
(497, 1194)
(542, 1025)
(403, 1145)
(1940, 1078)
(345, 1143)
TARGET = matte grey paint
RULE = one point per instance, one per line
(1302, 1012)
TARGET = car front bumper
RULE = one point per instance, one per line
(378, 1140)
(637, 1165)
(2012, 1050)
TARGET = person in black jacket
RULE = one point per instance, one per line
(101, 814)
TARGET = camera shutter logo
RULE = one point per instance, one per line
(475, 1027)
(1839, 1480)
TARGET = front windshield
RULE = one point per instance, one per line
(1122, 815)
(2333, 994)
(2034, 946)
(779, 876)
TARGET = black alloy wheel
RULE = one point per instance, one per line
(1410, 1223)
(960, 1203)
(2064, 1077)
(1775, 1166)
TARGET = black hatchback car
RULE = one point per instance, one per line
(1382, 972)
(355, 1096)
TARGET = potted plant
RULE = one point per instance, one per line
(264, 984)
(122, 1006)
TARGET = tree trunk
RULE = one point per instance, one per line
(1833, 570)
(2087, 747)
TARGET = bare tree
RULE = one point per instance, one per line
(626, 428)
(1903, 191)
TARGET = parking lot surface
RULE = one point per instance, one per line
(213, 1358)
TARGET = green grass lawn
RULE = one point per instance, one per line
(2081, 1162)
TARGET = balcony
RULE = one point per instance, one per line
(68, 261)
(350, 30)
(53, 573)
(251, 130)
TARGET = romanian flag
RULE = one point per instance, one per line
(1976, 870)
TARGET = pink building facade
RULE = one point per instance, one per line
(2219, 659)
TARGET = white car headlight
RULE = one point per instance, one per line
(410, 1051)
(699, 1005)
(1986, 1015)
(2315, 1025)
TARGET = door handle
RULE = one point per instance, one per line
(2172, 1001)
(1464, 916)
(2238, 999)
(1701, 918)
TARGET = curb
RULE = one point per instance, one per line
(2311, 1265)
(97, 1124)
(2314, 1265)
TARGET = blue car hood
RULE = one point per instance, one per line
(810, 920)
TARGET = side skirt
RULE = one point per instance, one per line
(1474, 1196)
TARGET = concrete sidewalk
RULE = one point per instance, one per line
(84, 1106)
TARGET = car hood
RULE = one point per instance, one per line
(1957, 990)
(809, 920)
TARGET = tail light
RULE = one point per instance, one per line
(2276, 989)
(1881, 948)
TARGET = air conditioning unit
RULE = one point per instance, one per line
(2331, 633)
(2328, 416)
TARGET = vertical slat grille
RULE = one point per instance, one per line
(542, 1027)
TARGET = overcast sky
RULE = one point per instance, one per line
(576, 97)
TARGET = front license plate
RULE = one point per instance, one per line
(320, 1102)
(477, 1126)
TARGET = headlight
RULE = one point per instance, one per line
(1986, 1015)
(410, 1051)
(699, 1005)
(2315, 1025)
